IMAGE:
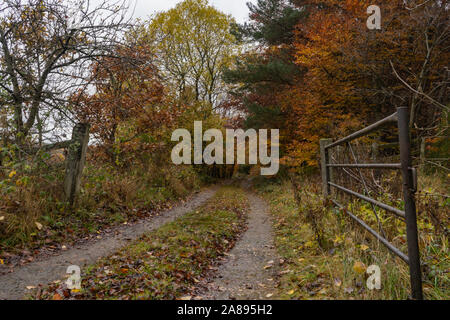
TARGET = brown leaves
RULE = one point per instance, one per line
(128, 103)
(167, 263)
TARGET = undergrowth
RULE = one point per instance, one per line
(33, 212)
(327, 254)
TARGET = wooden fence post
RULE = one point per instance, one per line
(324, 160)
(375, 151)
(75, 162)
(423, 144)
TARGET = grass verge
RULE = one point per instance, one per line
(33, 217)
(336, 268)
(168, 262)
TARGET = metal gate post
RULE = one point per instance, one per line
(410, 205)
(324, 161)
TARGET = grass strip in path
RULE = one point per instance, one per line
(168, 262)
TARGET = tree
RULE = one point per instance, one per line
(267, 69)
(46, 46)
(194, 45)
(354, 73)
(318, 71)
(129, 104)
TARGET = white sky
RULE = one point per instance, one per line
(237, 8)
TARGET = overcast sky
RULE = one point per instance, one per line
(237, 8)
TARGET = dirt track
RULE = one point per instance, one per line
(14, 285)
(250, 270)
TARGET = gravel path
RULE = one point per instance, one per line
(13, 285)
(250, 270)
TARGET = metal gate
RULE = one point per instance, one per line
(409, 180)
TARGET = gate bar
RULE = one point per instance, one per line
(370, 200)
(389, 245)
(365, 131)
(393, 166)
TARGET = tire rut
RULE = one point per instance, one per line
(250, 271)
(13, 285)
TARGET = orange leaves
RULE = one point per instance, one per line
(327, 95)
(128, 103)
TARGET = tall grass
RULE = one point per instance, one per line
(323, 247)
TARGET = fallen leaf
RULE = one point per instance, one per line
(323, 291)
(186, 298)
(359, 267)
(2, 218)
(364, 247)
(31, 287)
(349, 290)
(38, 225)
(57, 296)
(337, 282)
(269, 295)
(291, 292)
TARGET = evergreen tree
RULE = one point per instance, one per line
(260, 73)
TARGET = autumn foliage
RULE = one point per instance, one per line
(327, 74)
(129, 106)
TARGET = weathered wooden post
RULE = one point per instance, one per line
(375, 151)
(75, 162)
(324, 161)
(423, 145)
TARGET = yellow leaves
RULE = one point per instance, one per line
(310, 244)
(363, 247)
(1, 261)
(12, 174)
(359, 267)
(338, 240)
(291, 292)
(194, 42)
